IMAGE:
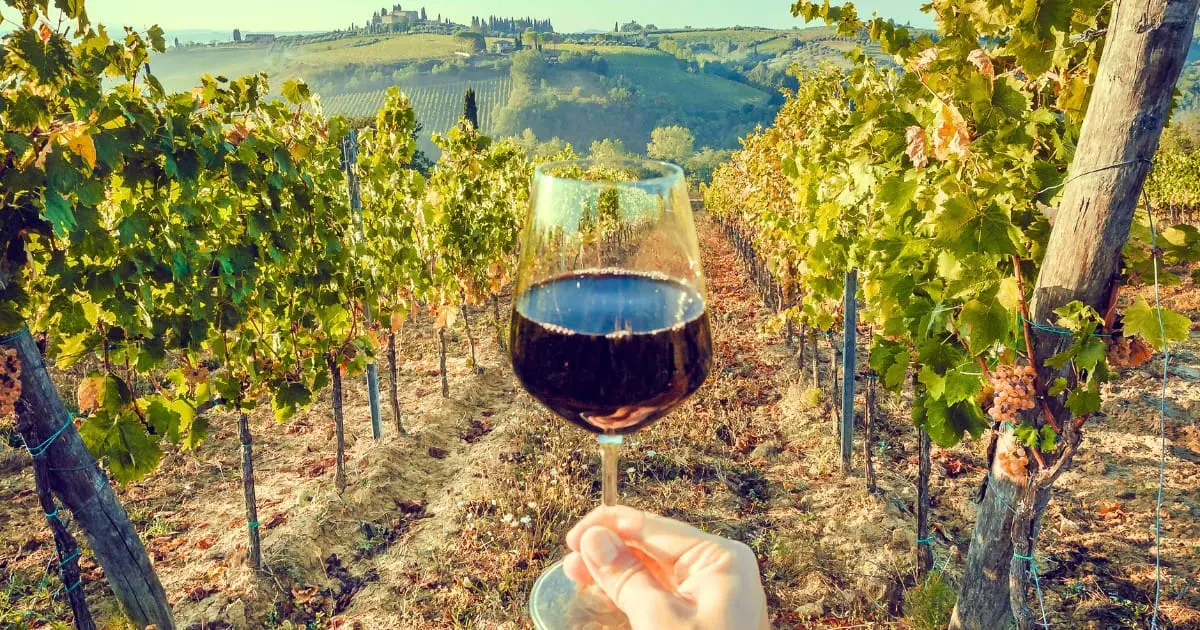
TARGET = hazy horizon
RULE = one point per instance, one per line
(310, 15)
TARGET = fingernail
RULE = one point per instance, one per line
(601, 546)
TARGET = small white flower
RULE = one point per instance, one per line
(525, 520)
(629, 471)
(553, 472)
(651, 453)
(460, 504)
(507, 518)
(493, 502)
(532, 505)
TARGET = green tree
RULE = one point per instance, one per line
(672, 144)
(608, 149)
(470, 109)
(528, 68)
(475, 42)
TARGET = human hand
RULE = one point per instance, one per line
(664, 574)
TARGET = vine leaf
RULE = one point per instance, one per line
(1141, 320)
(914, 136)
(983, 324)
(952, 136)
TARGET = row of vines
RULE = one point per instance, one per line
(203, 251)
(437, 107)
(936, 182)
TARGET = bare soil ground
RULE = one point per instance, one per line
(449, 527)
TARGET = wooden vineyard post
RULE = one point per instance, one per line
(335, 374)
(394, 385)
(869, 445)
(442, 362)
(924, 540)
(349, 160)
(254, 553)
(849, 356)
(1147, 44)
(79, 483)
(64, 543)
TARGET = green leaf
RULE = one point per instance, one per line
(934, 383)
(120, 441)
(58, 212)
(1009, 99)
(1009, 295)
(983, 324)
(946, 424)
(1026, 434)
(1058, 386)
(1083, 401)
(898, 192)
(296, 91)
(1092, 352)
(1142, 320)
(164, 420)
(890, 360)
(288, 398)
(1049, 439)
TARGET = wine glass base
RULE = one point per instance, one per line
(556, 603)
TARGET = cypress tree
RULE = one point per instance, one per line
(470, 109)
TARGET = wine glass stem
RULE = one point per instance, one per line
(608, 464)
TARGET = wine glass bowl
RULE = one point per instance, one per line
(610, 323)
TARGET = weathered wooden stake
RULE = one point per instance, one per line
(254, 552)
(339, 426)
(80, 484)
(64, 543)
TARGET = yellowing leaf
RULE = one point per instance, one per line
(925, 59)
(979, 58)
(915, 136)
(952, 136)
(83, 146)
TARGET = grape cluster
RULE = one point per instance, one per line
(10, 381)
(1126, 352)
(1014, 392)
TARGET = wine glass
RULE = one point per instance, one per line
(610, 324)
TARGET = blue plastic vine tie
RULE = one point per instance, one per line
(53, 516)
(70, 557)
(74, 586)
(38, 451)
(925, 541)
(1037, 585)
(9, 337)
(252, 524)
(1162, 422)
(1054, 329)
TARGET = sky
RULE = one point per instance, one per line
(566, 15)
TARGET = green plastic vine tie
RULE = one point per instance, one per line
(252, 524)
(926, 541)
(53, 516)
(38, 451)
(1037, 585)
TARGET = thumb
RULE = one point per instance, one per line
(627, 581)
